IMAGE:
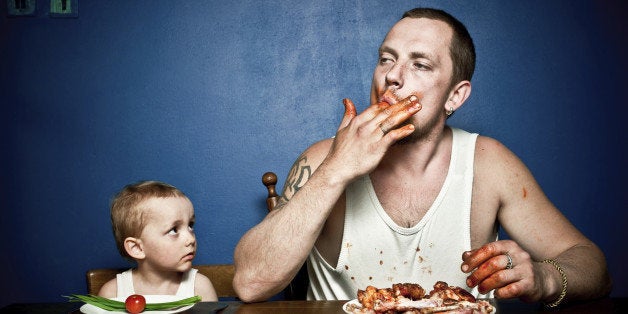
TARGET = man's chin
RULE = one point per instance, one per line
(408, 140)
(421, 132)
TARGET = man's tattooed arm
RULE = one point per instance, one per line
(299, 174)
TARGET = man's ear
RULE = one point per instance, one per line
(134, 248)
(458, 95)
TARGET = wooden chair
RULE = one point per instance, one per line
(220, 275)
(297, 289)
(96, 278)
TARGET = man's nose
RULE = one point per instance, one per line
(394, 77)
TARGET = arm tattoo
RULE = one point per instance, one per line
(299, 174)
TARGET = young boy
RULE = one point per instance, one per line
(153, 225)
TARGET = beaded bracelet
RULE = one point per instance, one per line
(563, 292)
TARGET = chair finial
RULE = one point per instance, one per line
(270, 179)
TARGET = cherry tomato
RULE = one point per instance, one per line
(135, 303)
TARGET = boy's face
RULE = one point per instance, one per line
(168, 237)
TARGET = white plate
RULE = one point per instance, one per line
(355, 304)
(351, 303)
(92, 309)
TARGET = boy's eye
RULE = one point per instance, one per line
(173, 231)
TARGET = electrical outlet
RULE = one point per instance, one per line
(21, 7)
(64, 8)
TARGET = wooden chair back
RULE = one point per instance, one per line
(221, 276)
(96, 278)
(297, 289)
(270, 180)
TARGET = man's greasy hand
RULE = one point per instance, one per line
(362, 140)
(487, 268)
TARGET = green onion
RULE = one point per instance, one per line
(113, 305)
(103, 303)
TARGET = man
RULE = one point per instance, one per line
(398, 196)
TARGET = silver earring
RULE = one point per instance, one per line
(450, 111)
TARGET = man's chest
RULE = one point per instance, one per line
(406, 204)
(406, 211)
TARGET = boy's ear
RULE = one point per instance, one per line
(134, 248)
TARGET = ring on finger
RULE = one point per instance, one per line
(381, 127)
(509, 264)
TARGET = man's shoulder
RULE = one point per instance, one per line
(483, 143)
(493, 156)
(489, 145)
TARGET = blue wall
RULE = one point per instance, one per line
(208, 95)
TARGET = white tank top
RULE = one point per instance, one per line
(376, 251)
(125, 284)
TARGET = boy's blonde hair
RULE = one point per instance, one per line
(127, 212)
